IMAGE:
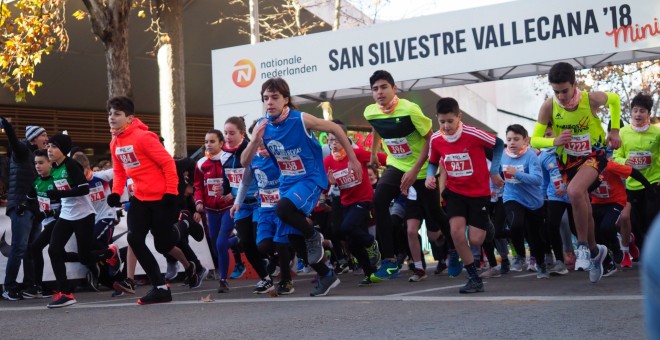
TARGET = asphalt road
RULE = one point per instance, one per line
(515, 306)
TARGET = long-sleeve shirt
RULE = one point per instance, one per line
(525, 186)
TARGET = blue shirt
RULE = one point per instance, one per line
(525, 186)
(296, 151)
(267, 179)
(551, 176)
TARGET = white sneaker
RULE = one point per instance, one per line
(596, 272)
(172, 271)
(582, 258)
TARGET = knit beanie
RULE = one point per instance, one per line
(62, 141)
(33, 131)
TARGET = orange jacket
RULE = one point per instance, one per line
(138, 154)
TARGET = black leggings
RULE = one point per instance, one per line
(605, 218)
(267, 246)
(354, 231)
(155, 217)
(247, 234)
(645, 205)
(554, 213)
(37, 247)
(62, 231)
(526, 223)
(289, 214)
(298, 243)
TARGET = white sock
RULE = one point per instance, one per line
(625, 249)
(418, 265)
(162, 287)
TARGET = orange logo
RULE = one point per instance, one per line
(244, 73)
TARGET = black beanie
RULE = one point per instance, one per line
(62, 141)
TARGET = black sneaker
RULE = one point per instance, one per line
(126, 285)
(342, 268)
(440, 268)
(12, 295)
(609, 268)
(263, 287)
(192, 278)
(156, 295)
(472, 286)
(285, 288)
(62, 300)
(314, 248)
(324, 285)
(224, 287)
(93, 277)
(35, 292)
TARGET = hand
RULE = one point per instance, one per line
(613, 139)
(374, 161)
(54, 194)
(431, 183)
(197, 217)
(228, 197)
(114, 200)
(511, 170)
(560, 192)
(169, 199)
(234, 209)
(355, 167)
(258, 131)
(563, 138)
(199, 207)
(331, 178)
(407, 180)
(498, 182)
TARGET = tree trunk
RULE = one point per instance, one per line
(171, 77)
(109, 19)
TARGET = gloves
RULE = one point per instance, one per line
(169, 199)
(114, 200)
(20, 209)
(54, 194)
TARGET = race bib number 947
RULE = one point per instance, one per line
(458, 165)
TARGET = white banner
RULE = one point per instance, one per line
(508, 34)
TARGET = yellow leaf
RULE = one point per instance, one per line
(79, 14)
(206, 298)
(20, 96)
(141, 14)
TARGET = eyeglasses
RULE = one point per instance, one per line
(332, 140)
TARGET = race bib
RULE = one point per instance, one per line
(290, 165)
(511, 178)
(345, 179)
(558, 181)
(458, 165)
(398, 147)
(127, 156)
(269, 197)
(640, 159)
(580, 145)
(44, 203)
(235, 176)
(213, 185)
(62, 184)
(603, 191)
(96, 193)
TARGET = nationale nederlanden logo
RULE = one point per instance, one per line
(244, 73)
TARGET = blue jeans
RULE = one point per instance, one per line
(651, 280)
(24, 230)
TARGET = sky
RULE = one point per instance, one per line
(401, 9)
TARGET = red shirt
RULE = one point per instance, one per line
(612, 189)
(464, 160)
(351, 189)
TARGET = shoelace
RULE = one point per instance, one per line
(57, 296)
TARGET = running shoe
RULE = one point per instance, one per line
(285, 288)
(505, 266)
(596, 272)
(193, 278)
(300, 266)
(114, 262)
(62, 300)
(127, 285)
(374, 254)
(314, 248)
(549, 260)
(263, 286)
(582, 258)
(324, 285)
(455, 265)
(472, 286)
(418, 275)
(440, 267)
(627, 261)
(569, 260)
(531, 264)
(36, 292)
(387, 270)
(609, 267)
(491, 272)
(634, 250)
(542, 271)
(239, 271)
(156, 295)
(558, 268)
(12, 295)
(202, 272)
(517, 264)
(617, 255)
(366, 281)
(172, 271)
(93, 278)
(223, 287)
(273, 269)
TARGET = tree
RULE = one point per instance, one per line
(29, 30)
(626, 80)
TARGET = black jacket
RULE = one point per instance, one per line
(21, 169)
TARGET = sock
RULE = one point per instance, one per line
(162, 287)
(418, 264)
(625, 249)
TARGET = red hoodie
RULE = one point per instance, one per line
(138, 154)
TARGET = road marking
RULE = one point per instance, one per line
(524, 275)
(426, 290)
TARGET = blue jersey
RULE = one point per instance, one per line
(525, 186)
(551, 176)
(267, 179)
(296, 151)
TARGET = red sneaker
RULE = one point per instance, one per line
(627, 261)
(634, 250)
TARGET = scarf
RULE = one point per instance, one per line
(391, 106)
(516, 155)
(573, 103)
(339, 155)
(214, 157)
(453, 137)
(282, 116)
(117, 132)
(643, 127)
